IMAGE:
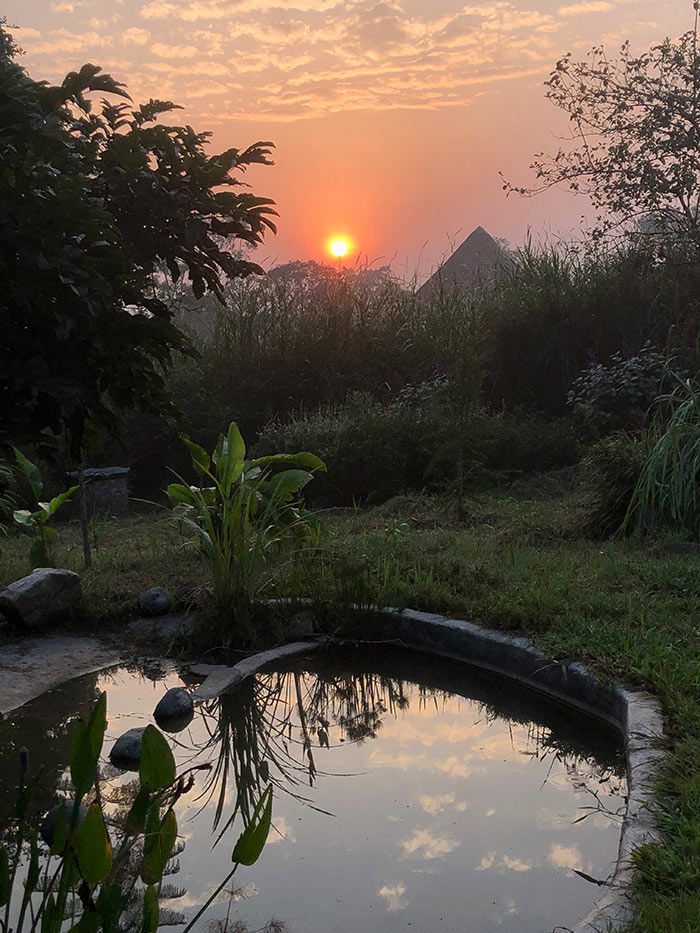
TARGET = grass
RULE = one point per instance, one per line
(629, 607)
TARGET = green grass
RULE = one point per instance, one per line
(630, 608)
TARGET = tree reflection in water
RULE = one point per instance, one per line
(273, 727)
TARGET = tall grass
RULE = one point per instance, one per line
(667, 495)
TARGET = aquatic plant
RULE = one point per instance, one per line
(86, 879)
(251, 510)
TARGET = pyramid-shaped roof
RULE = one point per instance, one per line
(474, 263)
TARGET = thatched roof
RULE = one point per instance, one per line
(476, 262)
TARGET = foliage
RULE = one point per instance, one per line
(634, 129)
(8, 499)
(374, 451)
(92, 201)
(608, 474)
(251, 512)
(618, 395)
(36, 522)
(557, 308)
(93, 875)
(667, 495)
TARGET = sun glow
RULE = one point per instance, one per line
(339, 248)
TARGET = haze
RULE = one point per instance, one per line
(391, 118)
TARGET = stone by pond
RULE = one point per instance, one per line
(408, 791)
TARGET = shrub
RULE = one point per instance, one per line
(617, 396)
(375, 451)
(608, 475)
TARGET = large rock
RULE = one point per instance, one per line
(126, 751)
(63, 811)
(175, 710)
(162, 631)
(44, 596)
(155, 602)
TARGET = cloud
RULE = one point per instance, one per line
(394, 896)
(61, 40)
(173, 51)
(425, 845)
(435, 805)
(586, 6)
(136, 36)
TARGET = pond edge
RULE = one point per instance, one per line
(637, 715)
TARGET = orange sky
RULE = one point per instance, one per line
(391, 118)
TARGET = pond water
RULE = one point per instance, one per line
(409, 793)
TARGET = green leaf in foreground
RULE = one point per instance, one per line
(150, 911)
(253, 838)
(83, 761)
(157, 768)
(4, 877)
(94, 850)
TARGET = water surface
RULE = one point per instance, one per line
(409, 793)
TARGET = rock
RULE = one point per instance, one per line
(126, 751)
(45, 595)
(50, 821)
(156, 601)
(175, 711)
(301, 625)
(163, 630)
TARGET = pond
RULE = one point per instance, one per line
(409, 793)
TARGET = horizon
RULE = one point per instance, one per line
(390, 124)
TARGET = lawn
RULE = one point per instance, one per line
(516, 562)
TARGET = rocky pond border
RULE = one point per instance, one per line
(637, 716)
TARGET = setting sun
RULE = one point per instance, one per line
(339, 248)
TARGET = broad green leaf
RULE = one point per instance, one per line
(50, 922)
(136, 818)
(158, 846)
(97, 725)
(83, 761)
(88, 923)
(253, 838)
(4, 876)
(302, 459)
(150, 911)
(59, 841)
(60, 500)
(94, 850)
(31, 472)
(157, 768)
(200, 458)
(110, 906)
(33, 870)
(178, 493)
(23, 517)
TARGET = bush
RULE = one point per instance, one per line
(375, 451)
(608, 475)
(618, 396)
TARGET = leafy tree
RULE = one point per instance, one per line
(93, 200)
(635, 137)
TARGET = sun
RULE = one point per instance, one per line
(339, 248)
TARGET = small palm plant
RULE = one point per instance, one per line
(245, 513)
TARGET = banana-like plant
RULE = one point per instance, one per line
(37, 522)
(245, 513)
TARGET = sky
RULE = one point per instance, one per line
(391, 118)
